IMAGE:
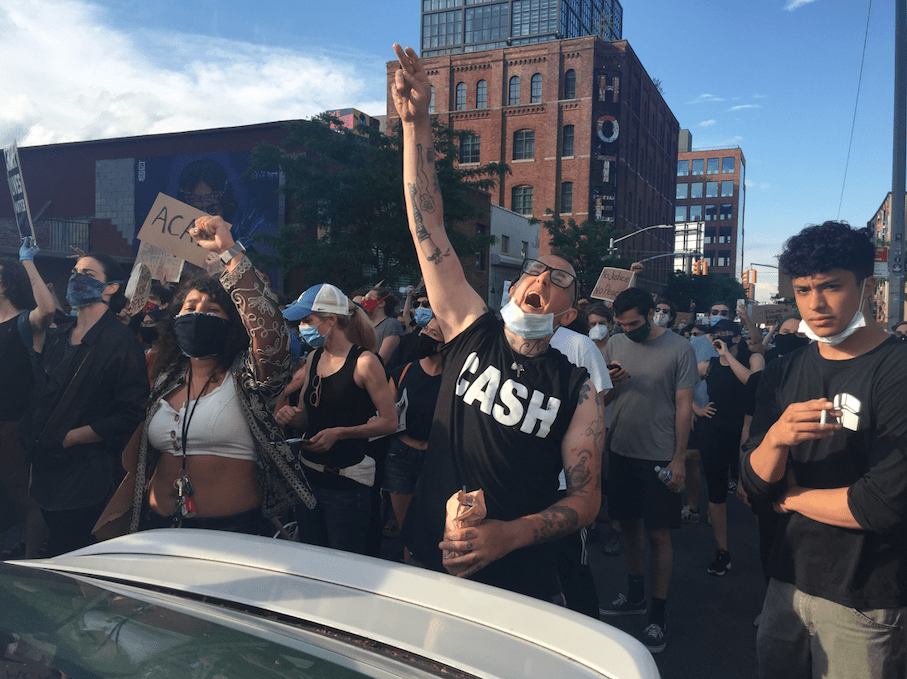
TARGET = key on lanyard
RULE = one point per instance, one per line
(187, 507)
(186, 485)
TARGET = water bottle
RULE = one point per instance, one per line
(664, 474)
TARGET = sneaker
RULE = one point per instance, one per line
(721, 563)
(731, 487)
(612, 546)
(688, 515)
(622, 606)
(653, 638)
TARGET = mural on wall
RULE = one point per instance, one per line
(606, 136)
(214, 183)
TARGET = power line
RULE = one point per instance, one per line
(856, 104)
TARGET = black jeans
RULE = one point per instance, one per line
(70, 529)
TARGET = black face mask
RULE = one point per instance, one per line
(201, 335)
(149, 334)
(785, 344)
(427, 346)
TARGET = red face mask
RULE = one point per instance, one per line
(371, 304)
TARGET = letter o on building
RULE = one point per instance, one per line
(600, 129)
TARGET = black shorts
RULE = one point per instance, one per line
(634, 492)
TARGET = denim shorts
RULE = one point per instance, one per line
(402, 467)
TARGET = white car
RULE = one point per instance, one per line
(215, 605)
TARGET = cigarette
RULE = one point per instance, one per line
(822, 419)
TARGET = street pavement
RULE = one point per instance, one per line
(710, 632)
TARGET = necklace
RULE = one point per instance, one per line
(185, 506)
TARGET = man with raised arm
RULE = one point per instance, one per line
(511, 412)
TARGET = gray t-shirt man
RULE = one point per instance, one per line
(642, 423)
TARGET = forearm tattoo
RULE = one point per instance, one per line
(432, 252)
(426, 200)
(557, 521)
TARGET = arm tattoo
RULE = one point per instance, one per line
(578, 475)
(426, 200)
(432, 252)
(557, 521)
(583, 393)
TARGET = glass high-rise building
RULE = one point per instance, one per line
(462, 26)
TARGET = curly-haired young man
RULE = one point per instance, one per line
(828, 445)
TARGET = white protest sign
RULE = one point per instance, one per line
(163, 266)
(167, 226)
(17, 191)
(138, 289)
(612, 282)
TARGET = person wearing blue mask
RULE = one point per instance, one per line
(343, 386)
(407, 350)
(88, 399)
(827, 447)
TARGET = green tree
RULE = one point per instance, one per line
(347, 219)
(682, 289)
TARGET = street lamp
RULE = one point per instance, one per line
(611, 248)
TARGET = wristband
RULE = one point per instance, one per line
(231, 252)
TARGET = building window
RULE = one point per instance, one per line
(695, 213)
(727, 165)
(724, 235)
(431, 102)
(712, 166)
(708, 236)
(681, 193)
(470, 148)
(570, 84)
(711, 189)
(680, 214)
(481, 94)
(460, 104)
(505, 244)
(696, 190)
(683, 168)
(480, 255)
(727, 188)
(513, 98)
(711, 213)
(568, 141)
(524, 145)
(724, 258)
(567, 197)
(485, 24)
(535, 89)
(698, 168)
(524, 249)
(727, 210)
(441, 29)
(522, 200)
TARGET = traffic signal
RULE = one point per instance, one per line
(746, 278)
(697, 267)
(705, 267)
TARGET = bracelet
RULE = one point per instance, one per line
(231, 252)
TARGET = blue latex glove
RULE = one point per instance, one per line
(28, 249)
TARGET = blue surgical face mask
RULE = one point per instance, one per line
(84, 290)
(714, 319)
(310, 335)
(527, 326)
(423, 316)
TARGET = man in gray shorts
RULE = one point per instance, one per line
(652, 396)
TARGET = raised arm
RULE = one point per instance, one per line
(455, 304)
(40, 317)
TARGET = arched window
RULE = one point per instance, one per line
(481, 94)
(460, 104)
(521, 200)
(431, 102)
(567, 197)
(513, 98)
(567, 146)
(524, 145)
(535, 89)
(570, 84)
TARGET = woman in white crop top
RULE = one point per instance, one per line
(210, 454)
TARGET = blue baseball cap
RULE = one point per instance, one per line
(321, 298)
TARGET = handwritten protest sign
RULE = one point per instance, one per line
(611, 282)
(163, 266)
(138, 289)
(770, 314)
(17, 191)
(168, 225)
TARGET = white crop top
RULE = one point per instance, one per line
(218, 427)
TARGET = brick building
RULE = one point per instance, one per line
(582, 126)
(711, 190)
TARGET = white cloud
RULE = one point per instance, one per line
(760, 96)
(706, 123)
(67, 77)
(794, 4)
(742, 107)
(705, 97)
(756, 185)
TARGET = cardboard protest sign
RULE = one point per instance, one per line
(611, 282)
(168, 225)
(770, 314)
(17, 191)
(163, 267)
(138, 289)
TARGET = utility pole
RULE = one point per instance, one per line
(899, 161)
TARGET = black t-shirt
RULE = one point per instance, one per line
(16, 376)
(498, 426)
(865, 568)
(421, 397)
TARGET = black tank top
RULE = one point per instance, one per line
(728, 394)
(342, 404)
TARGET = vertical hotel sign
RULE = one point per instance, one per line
(605, 139)
(17, 191)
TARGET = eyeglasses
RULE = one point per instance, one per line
(315, 396)
(720, 312)
(561, 278)
(663, 309)
(424, 304)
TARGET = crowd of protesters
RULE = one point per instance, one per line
(554, 414)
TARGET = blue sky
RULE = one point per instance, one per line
(776, 77)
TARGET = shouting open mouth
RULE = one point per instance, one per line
(533, 300)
